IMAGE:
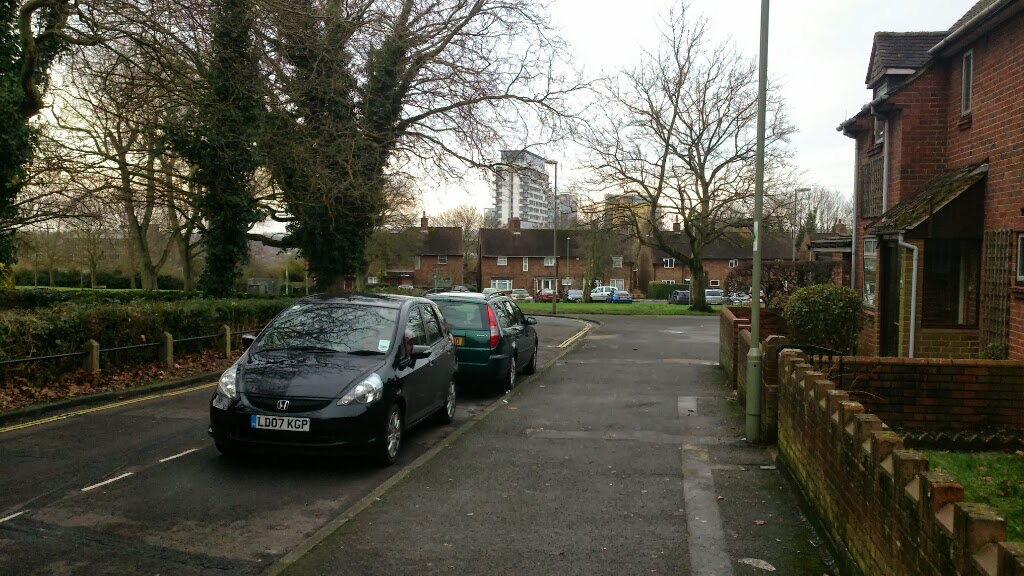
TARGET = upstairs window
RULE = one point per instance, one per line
(668, 262)
(879, 130)
(442, 259)
(616, 261)
(549, 260)
(967, 79)
(526, 263)
(734, 263)
(371, 279)
(502, 260)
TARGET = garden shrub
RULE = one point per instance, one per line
(825, 315)
(661, 291)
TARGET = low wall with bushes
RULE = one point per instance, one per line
(65, 328)
(880, 501)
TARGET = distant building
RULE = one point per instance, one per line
(522, 190)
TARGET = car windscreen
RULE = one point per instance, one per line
(464, 315)
(331, 327)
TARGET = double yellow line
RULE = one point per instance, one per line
(67, 415)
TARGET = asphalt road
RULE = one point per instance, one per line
(139, 489)
(625, 457)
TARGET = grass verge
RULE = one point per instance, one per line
(636, 308)
(989, 478)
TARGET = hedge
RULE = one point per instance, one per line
(42, 297)
(825, 315)
(74, 279)
(661, 290)
(65, 328)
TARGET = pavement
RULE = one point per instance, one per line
(625, 456)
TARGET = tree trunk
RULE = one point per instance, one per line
(697, 283)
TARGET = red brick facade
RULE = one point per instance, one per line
(929, 135)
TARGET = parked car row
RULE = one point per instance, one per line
(352, 373)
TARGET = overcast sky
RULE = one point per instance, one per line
(819, 49)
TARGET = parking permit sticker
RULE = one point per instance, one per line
(383, 345)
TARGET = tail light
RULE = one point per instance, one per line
(495, 333)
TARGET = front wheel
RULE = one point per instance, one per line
(390, 443)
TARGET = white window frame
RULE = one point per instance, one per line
(442, 259)
(502, 260)
(618, 283)
(1020, 257)
(370, 280)
(870, 277)
(616, 261)
(501, 284)
(546, 283)
(967, 83)
(668, 281)
(526, 263)
(714, 284)
(549, 260)
(734, 263)
(668, 262)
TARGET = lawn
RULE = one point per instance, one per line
(987, 478)
(636, 308)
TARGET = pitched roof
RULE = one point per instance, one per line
(442, 240)
(496, 242)
(978, 8)
(900, 50)
(929, 199)
(736, 246)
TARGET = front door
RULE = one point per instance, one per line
(890, 301)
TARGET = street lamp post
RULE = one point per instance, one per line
(554, 236)
(753, 407)
(567, 272)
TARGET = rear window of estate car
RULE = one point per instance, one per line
(464, 315)
(713, 292)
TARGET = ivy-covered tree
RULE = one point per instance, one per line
(31, 38)
(220, 141)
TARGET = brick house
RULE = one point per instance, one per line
(939, 209)
(425, 257)
(719, 257)
(833, 246)
(522, 258)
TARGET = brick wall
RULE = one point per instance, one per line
(938, 394)
(731, 321)
(454, 269)
(489, 270)
(742, 350)
(879, 501)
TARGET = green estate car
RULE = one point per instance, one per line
(494, 341)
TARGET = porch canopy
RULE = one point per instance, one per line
(935, 195)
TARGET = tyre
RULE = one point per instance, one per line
(508, 381)
(446, 413)
(229, 450)
(531, 368)
(390, 443)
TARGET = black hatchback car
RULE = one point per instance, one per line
(347, 372)
(494, 340)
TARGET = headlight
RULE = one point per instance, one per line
(226, 386)
(365, 392)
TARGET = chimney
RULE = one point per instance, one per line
(513, 223)
(840, 228)
(423, 220)
(675, 226)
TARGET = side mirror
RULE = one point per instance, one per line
(531, 320)
(248, 339)
(420, 351)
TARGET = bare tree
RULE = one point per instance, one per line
(677, 134)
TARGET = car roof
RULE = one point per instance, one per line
(467, 297)
(361, 299)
